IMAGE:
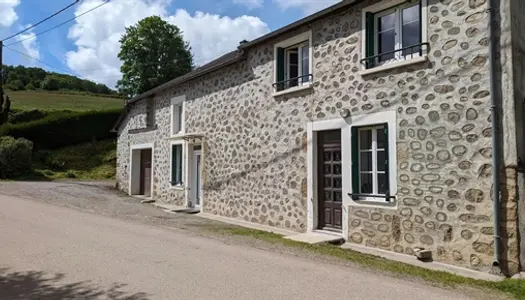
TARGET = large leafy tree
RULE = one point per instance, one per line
(153, 52)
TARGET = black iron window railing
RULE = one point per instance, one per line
(292, 82)
(394, 55)
(387, 197)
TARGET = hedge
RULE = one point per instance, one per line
(21, 116)
(15, 157)
(64, 128)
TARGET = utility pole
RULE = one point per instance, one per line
(2, 70)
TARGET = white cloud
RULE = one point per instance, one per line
(96, 35)
(250, 3)
(29, 43)
(308, 6)
(7, 12)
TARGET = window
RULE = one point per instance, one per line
(370, 170)
(394, 34)
(176, 164)
(177, 115)
(150, 112)
(293, 63)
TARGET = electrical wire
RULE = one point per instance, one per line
(58, 25)
(40, 22)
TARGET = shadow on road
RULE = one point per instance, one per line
(39, 285)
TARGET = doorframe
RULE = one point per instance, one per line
(140, 147)
(189, 173)
(312, 205)
(193, 176)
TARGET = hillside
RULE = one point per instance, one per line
(45, 100)
(22, 78)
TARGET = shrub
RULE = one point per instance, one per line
(22, 116)
(15, 157)
(65, 128)
(30, 87)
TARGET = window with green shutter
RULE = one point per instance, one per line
(393, 34)
(176, 165)
(370, 169)
(293, 62)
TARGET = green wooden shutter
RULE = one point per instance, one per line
(179, 165)
(355, 162)
(387, 177)
(173, 164)
(370, 39)
(280, 69)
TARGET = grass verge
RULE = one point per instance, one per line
(512, 287)
(95, 161)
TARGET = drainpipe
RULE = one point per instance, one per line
(496, 149)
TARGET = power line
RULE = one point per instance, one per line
(57, 68)
(42, 21)
(58, 25)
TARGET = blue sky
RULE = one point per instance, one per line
(88, 46)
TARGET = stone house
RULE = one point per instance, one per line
(370, 119)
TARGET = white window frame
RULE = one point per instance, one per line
(301, 40)
(178, 109)
(296, 49)
(374, 151)
(381, 9)
(183, 161)
(374, 120)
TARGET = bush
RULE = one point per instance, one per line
(15, 157)
(22, 116)
(30, 87)
(65, 128)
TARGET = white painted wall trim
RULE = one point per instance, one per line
(138, 147)
(312, 169)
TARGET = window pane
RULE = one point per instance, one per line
(381, 159)
(305, 64)
(411, 37)
(178, 164)
(365, 139)
(294, 71)
(381, 183)
(381, 138)
(386, 43)
(293, 57)
(386, 22)
(366, 161)
(411, 14)
(179, 118)
(366, 183)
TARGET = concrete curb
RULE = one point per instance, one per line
(411, 260)
(283, 232)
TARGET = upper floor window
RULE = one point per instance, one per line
(150, 112)
(394, 33)
(177, 115)
(293, 64)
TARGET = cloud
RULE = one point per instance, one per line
(7, 12)
(29, 43)
(96, 35)
(250, 4)
(307, 6)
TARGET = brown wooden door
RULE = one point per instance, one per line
(330, 181)
(145, 172)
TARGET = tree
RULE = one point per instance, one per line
(50, 83)
(153, 52)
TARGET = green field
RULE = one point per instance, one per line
(58, 101)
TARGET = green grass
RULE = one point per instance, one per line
(514, 288)
(95, 160)
(59, 101)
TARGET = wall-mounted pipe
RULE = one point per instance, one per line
(496, 147)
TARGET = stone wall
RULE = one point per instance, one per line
(255, 155)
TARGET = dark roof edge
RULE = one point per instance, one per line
(306, 20)
(236, 55)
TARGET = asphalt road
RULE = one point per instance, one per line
(53, 252)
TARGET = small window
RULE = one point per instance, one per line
(176, 165)
(150, 112)
(178, 119)
(370, 178)
(394, 34)
(293, 63)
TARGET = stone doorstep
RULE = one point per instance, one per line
(412, 260)
(169, 207)
(316, 237)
